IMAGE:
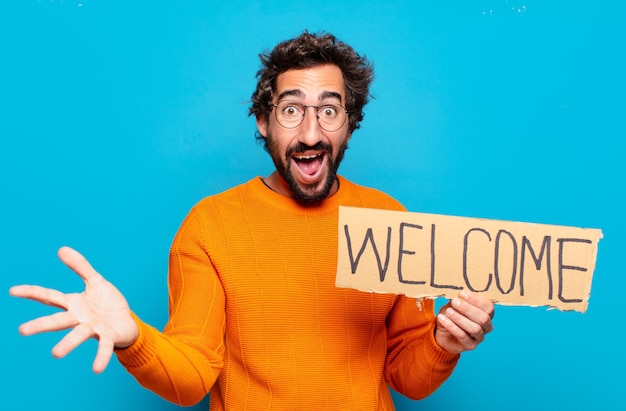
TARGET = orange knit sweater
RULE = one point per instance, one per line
(256, 319)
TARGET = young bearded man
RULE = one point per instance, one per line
(255, 317)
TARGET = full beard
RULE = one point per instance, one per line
(307, 194)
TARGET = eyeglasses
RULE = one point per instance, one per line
(330, 116)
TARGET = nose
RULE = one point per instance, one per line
(311, 132)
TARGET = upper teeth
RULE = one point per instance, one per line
(306, 157)
(303, 157)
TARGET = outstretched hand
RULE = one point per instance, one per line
(99, 312)
(463, 322)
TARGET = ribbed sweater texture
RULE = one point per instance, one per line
(257, 321)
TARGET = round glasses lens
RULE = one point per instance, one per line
(330, 117)
(289, 114)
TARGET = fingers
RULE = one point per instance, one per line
(79, 264)
(474, 311)
(481, 303)
(465, 332)
(43, 295)
(82, 313)
(55, 322)
(74, 260)
(103, 356)
(467, 318)
(79, 335)
(71, 340)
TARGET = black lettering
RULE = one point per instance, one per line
(562, 266)
(432, 263)
(545, 251)
(465, 248)
(496, 265)
(382, 269)
(403, 251)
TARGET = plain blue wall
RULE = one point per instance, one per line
(116, 117)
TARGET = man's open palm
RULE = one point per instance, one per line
(99, 312)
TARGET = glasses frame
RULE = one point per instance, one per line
(305, 107)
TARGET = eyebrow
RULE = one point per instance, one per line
(298, 93)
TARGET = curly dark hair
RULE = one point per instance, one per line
(310, 50)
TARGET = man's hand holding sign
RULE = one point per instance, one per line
(463, 322)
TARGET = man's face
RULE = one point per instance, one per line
(306, 157)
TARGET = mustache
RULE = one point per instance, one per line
(301, 148)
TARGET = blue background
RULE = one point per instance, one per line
(116, 117)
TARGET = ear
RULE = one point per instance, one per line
(348, 137)
(261, 124)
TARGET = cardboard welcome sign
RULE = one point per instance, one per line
(429, 255)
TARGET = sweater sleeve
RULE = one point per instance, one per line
(182, 363)
(416, 366)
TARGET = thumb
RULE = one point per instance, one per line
(79, 264)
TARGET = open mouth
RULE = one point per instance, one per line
(310, 166)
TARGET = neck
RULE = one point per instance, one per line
(277, 184)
